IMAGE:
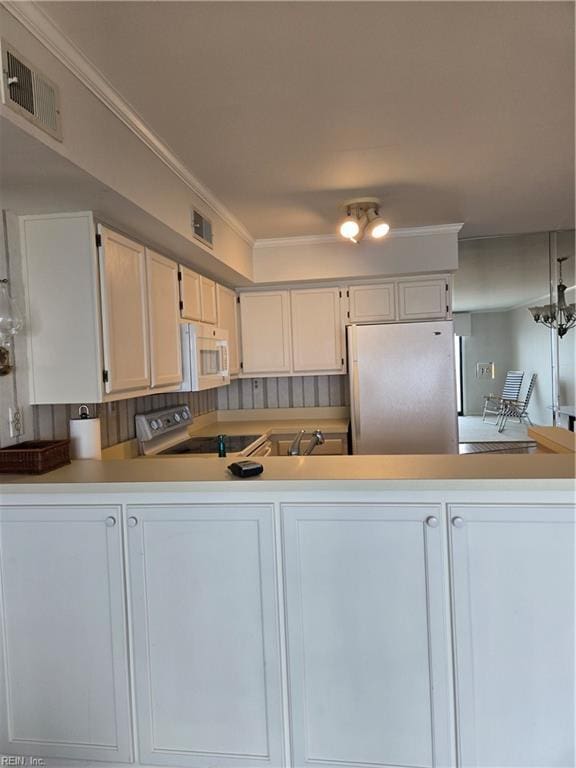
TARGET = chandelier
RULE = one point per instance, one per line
(559, 315)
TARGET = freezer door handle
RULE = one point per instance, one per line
(356, 428)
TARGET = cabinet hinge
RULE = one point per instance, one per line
(347, 294)
(242, 366)
(237, 299)
(447, 289)
(340, 294)
(181, 305)
(179, 276)
(342, 361)
(98, 240)
(347, 314)
(105, 377)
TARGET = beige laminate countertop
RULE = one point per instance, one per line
(522, 471)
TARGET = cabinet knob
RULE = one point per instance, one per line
(132, 522)
(110, 522)
(432, 521)
(458, 522)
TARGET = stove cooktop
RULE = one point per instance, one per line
(234, 444)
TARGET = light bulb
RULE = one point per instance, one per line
(378, 228)
(349, 228)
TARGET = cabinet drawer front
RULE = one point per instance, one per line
(316, 330)
(265, 326)
(63, 634)
(367, 635)
(206, 638)
(124, 312)
(190, 295)
(514, 618)
(370, 303)
(423, 299)
(165, 353)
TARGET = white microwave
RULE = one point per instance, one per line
(204, 357)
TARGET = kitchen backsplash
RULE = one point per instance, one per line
(117, 419)
(284, 392)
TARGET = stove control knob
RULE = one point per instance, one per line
(186, 414)
(177, 418)
(154, 424)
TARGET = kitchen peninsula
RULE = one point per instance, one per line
(328, 610)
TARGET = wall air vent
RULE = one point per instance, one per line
(202, 228)
(30, 93)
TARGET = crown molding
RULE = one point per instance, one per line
(39, 24)
(280, 242)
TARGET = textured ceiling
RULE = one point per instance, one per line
(456, 111)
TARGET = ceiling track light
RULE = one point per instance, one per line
(363, 217)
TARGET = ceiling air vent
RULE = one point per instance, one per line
(28, 92)
(202, 228)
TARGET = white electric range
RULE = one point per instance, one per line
(166, 433)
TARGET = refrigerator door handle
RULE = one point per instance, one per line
(355, 411)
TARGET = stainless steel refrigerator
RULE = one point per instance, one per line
(403, 388)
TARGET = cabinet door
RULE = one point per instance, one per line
(228, 320)
(372, 303)
(165, 353)
(265, 324)
(206, 635)
(514, 619)
(423, 299)
(124, 312)
(208, 290)
(63, 637)
(367, 630)
(190, 295)
(317, 330)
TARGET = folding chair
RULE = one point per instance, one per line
(510, 391)
(517, 409)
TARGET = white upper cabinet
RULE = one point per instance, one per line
(372, 303)
(165, 352)
(63, 646)
(423, 299)
(265, 325)
(63, 308)
(124, 312)
(367, 630)
(317, 330)
(208, 288)
(207, 664)
(227, 307)
(190, 295)
(514, 613)
(197, 297)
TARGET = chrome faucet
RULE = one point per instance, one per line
(317, 439)
(294, 449)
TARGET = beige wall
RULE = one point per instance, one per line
(100, 144)
(489, 341)
(274, 263)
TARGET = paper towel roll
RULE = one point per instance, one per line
(85, 440)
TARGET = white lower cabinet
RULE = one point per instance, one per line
(367, 630)
(207, 667)
(63, 671)
(514, 619)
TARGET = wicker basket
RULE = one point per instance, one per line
(35, 456)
